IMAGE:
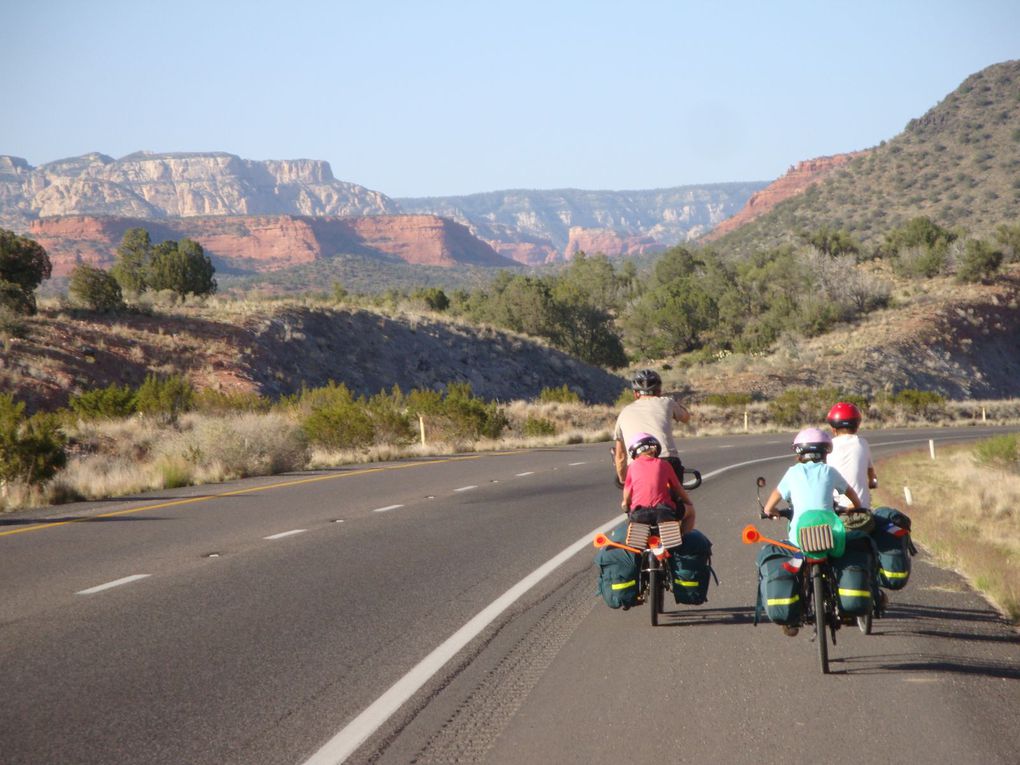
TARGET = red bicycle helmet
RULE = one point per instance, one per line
(844, 415)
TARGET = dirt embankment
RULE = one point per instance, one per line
(276, 352)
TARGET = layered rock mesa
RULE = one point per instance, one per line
(270, 242)
(795, 181)
(162, 186)
(536, 227)
(530, 227)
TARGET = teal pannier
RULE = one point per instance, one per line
(892, 543)
(691, 568)
(618, 572)
(779, 591)
(854, 577)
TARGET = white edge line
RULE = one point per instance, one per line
(109, 585)
(388, 507)
(466, 488)
(357, 731)
(521, 475)
(290, 533)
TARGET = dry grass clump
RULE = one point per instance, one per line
(966, 514)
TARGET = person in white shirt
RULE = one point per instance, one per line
(851, 454)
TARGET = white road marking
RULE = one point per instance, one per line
(290, 533)
(530, 472)
(575, 464)
(466, 488)
(344, 743)
(388, 507)
(115, 583)
(726, 446)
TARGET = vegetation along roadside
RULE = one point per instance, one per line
(964, 508)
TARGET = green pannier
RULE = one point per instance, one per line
(691, 567)
(892, 542)
(618, 572)
(854, 577)
(778, 586)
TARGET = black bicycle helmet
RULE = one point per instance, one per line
(646, 381)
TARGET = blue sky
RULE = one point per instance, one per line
(439, 98)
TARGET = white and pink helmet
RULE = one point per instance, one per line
(813, 441)
(642, 443)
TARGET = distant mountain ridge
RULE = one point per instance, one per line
(526, 226)
(544, 226)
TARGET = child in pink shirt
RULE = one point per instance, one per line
(652, 483)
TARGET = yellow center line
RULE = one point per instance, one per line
(206, 497)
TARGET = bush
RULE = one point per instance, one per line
(919, 402)
(979, 261)
(729, 400)
(335, 419)
(32, 448)
(1000, 452)
(457, 413)
(111, 402)
(539, 426)
(94, 289)
(561, 395)
(164, 398)
(24, 265)
(212, 401)
(801, 407)
(241, 445)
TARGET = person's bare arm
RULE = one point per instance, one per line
(681, 413)
(620, 458)
(771, 502)
(872, 477)
(852, 496)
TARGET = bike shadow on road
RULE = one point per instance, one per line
(925, 663)
(978, 625)
(694, 616)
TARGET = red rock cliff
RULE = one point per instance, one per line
(271, 242)
(796, 180)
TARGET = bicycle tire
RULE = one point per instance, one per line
(821, 606)
(655, 592)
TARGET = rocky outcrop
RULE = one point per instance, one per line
(796, 180)
(535, 227)
(158, 186)
(609, 242)
(270, 242)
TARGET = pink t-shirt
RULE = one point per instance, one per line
(648, 480)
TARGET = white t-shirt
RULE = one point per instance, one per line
(851, 456)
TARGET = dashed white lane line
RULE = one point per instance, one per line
(115, 583)
(283, 534)
(387, 508)
(530, 472)
(466, 488)
(575, 464)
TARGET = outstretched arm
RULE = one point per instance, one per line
(620, 459)
(771, 502)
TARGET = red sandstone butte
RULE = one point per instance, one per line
(796, 180)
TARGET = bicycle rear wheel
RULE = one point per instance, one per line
(821, 606)
(655, 585)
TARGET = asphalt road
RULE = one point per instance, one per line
(253, 622)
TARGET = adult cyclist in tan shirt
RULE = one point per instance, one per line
(651, 413)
